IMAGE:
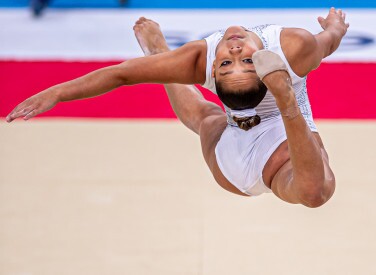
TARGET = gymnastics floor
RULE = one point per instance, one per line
(135, 197)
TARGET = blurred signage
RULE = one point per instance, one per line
(108, 34)
(353, 41)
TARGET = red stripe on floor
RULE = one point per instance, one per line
(336, 90)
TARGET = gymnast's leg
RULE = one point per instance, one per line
(306, 178)
(201, 116)
(187, 101)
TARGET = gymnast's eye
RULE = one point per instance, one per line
(248, 60)
(225, 63)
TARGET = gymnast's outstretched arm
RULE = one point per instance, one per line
(184, 65)
(305, 51)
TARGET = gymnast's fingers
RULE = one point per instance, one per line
(31, 114)
(21, 110)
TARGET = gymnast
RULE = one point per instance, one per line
(267, 140)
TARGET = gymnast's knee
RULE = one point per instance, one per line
(318, 195)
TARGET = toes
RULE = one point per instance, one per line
(143, 22)
(140, 20)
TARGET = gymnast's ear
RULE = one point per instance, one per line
(213, 69)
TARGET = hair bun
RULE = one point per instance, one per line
(246, 123)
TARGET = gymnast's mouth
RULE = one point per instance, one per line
(235, 37)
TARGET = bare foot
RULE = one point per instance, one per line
(274, 73)
(150, 37)
(279, 84)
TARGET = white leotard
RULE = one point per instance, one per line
(270, 37)
(242, 155)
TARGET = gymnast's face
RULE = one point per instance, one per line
(233, 63)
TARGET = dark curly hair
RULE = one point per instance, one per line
(240, 99)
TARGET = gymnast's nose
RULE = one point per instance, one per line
(236, 49)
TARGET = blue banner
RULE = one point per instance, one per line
(200, 4)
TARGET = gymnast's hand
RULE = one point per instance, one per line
(335, 21)
(34, 105)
